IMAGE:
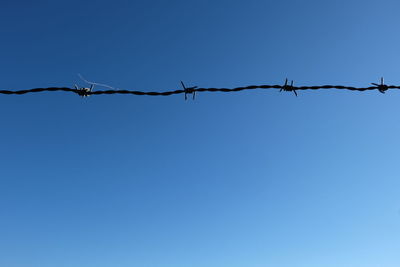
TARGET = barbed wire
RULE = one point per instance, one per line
(85, 91)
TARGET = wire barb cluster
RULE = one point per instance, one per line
(85, 92)
(382, 87)
(189, 90)
(288, 88)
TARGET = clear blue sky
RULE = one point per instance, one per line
(251, 179)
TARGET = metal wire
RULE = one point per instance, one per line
(192, 90)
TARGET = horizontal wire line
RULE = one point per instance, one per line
(85, 92)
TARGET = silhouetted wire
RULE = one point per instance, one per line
(192, 90)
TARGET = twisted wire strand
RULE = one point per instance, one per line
(84, 91)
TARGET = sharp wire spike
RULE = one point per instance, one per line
(189, 90)
(382, 87)
(288, 88)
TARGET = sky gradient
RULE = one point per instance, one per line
(254, 178)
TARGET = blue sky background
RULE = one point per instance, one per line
(256, 178)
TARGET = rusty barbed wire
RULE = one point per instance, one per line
(85, 91)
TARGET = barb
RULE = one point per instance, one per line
(83, 91)
(382, 87)
(288, 88)
(189, 90)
